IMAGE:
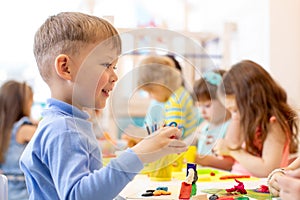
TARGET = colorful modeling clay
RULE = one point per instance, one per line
(263, 189)
(233, 177)
(213, 197)
(156, 192)
(162, 188)
(185, 191)
(161, 192)
(241, 198)
(147, 194)
(194, 189)
(150, 191)
(190, 177)
(237, 188)
(226, 198)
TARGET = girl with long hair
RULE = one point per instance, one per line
(16, 130)
(263, 126)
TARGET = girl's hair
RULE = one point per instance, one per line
(159, 70)
(258, 98)
(177, 66)
(176, 63)
(205, 88)
(67, 33)
(14, 97)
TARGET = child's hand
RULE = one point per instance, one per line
(273, 184)
(159, 144)
(221, 148)
(289, 185)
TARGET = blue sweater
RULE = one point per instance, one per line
(63, 159)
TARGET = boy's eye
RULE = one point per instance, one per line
(107, 65)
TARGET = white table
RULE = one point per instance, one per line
(141, 183)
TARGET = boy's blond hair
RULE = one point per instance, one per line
(67, 33)
(159, 70)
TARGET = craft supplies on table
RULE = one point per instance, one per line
(208, 182)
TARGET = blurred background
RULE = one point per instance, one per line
(265, 31)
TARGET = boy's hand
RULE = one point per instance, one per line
(159, 144)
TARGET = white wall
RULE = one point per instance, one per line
(285, 46)
(252, 22)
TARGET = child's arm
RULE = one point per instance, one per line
(25, 133)
(271, 155)
(295, 164)
(71, 156)
(234, 137)
(224, 163)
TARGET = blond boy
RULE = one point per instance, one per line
(76, 55)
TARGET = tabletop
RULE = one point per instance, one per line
(206, 183)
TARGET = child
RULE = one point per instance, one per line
(285, 182)
(154, 115)
(164, 84)
(155, 112)
(76, 55)
(217, 118)
(16, 130)
(265, 125)
(161, 110)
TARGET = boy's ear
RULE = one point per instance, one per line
(62, 66)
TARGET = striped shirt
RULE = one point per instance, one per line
(180, 109)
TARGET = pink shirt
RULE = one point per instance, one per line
(237, 168)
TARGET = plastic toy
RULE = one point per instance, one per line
(189, 187)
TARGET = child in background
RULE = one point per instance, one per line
(285, 182)
(216, 117)
(154, 115)
(76, 55)
(263, 126)
(164, 84)
(16, 130)
(155, 112)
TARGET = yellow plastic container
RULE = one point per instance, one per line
(178, 163)
(190, 155)
(161, 170)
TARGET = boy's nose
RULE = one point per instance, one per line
(114, 77)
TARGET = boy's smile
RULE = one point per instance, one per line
(107, 83)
